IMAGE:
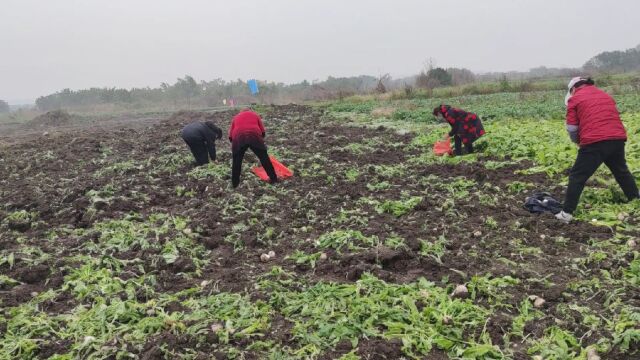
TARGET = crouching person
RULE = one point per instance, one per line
(466, 127)
(247, 132)
(201, 139)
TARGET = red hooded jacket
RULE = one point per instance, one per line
(595, 115)
(248, 123)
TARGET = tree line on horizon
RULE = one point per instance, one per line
(191, 93)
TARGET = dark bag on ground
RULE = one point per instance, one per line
(540, 202)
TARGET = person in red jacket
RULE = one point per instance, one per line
(247, 132)
(593, 122)
(466, 127)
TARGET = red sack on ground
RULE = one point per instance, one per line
(442, 147)
(280, 169)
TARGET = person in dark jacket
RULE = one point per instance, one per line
(593, 122)
(247, 132)
(201, 139)
(466, 127)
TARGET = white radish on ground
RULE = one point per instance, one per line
(538, 302)
(460, 291)
(592, 354)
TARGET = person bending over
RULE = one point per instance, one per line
(466, 127)
(247, 132)
(201, 139)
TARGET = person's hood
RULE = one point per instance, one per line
(570, 86)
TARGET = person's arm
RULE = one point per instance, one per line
(261, 126)
(210, 138)
(572, 123)
(452, 119)
(454, 128)
(233, 124)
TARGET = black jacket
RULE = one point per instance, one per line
(200, 132)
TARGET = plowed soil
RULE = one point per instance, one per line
(56, 179)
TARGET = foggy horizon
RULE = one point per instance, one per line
(50, 46)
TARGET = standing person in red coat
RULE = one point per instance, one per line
(247, 132)
(593, 122)
(466, 127)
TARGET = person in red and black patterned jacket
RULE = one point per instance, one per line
(466, 127)
(593, 122)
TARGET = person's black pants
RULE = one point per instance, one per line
(261, 152)
(589, 159)
(458, 146)
(199, 150)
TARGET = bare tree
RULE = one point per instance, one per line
(381, 88)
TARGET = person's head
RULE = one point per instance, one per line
(215, 129)
(437, 112)
(575, 84)
(578, 82)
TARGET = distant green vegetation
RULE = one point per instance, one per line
(536, 105)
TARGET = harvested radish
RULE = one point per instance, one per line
(632, 243)
(264, 257)
(323, 256)
(88, 339)
(271, 254)
(538, 302)
(592, 354)
(215, 327)
(477, 233)
(460, 291)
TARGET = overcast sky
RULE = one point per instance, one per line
(49, 45)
